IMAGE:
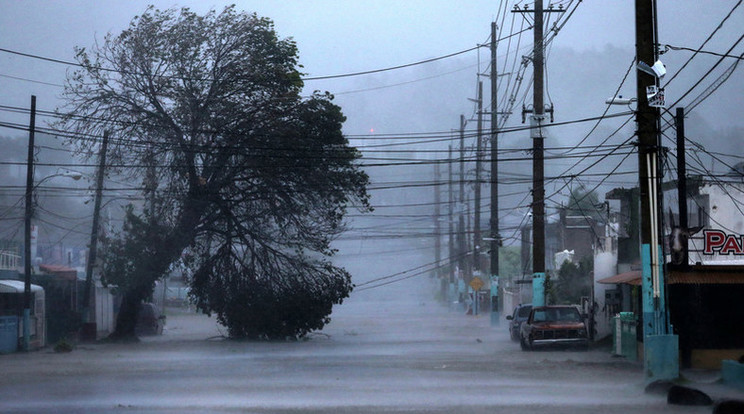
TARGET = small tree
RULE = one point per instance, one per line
(549, 289)
(583, 202)
(510, 261)
(574, 281)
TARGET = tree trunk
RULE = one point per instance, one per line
(126, 320)
(165, 250)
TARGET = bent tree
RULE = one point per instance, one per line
(246, 182)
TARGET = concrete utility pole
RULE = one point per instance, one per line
(661, 349)
(494, 221)
(89, 320)
(27, 229)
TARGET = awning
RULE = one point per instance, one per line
(708, 275)
(631, 278)
(703, 275)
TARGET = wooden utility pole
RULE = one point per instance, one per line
(661, 350)
(438, 231)
(494, 220)
(538, 153)
(682, 179)
(450, 221)
(27, 229)
(648, 133)
(89, 325)
(462, 249)
(538, 161)
(477, 191)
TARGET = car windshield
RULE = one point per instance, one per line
(556, 315)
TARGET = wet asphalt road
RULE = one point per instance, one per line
(376, 356)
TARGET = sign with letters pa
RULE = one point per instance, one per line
(719, 242)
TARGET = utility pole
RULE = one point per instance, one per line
(89, 324)
(451, 229)
(462, 250)
(495, 241)
(661, 349)
(27, 229)
(477, 195)
(538, 156)
(438, 233)
(682, 179)
(538, 167)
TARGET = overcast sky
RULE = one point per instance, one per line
(586, 63)
(336, 37)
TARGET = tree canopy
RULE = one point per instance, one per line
(583, 202)
(247, 181)
(574, 281)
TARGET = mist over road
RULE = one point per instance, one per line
(377, 355)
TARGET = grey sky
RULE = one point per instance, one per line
(335, 37)
(586, 63)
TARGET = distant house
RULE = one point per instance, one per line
(12, 306)
(10, 263)
(65, 290)
(567, 236)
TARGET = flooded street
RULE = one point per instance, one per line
(267, 159)
(376, 356)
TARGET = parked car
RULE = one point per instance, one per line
(150, 320)
(521, 313)
(554, 325)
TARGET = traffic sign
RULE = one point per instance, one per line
(476, 283)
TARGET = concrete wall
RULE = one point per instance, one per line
(605, 265)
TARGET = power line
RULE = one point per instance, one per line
(379, 281)
(705, 52)
(31, 80)
(708, 72)
(307, 78)
(607, 108)
(369, 72)
(704, 43)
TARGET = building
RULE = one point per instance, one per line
(703, 292)
(568, 236)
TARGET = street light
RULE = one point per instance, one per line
(27, 248)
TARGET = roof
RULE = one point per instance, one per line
(16, 286)
(56, 268)
(62, 271)
(631, 278)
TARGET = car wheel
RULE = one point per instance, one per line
(523, 344)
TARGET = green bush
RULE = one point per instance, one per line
(277, 308)
(63, 345)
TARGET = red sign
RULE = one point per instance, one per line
(716, 241)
